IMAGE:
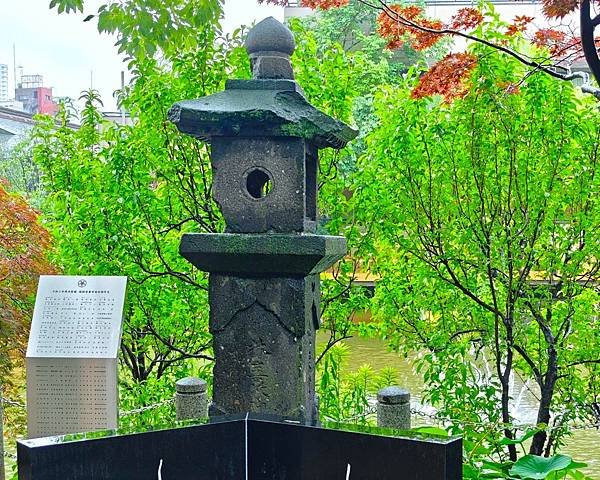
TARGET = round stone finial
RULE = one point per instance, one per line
(270, 35)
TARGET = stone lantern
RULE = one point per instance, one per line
(264, 270)
(264, 310)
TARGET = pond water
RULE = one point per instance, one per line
(584, 445)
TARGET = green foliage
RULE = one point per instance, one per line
(157, 181)
(531, 467)
(23, 175)
(534, 467)
(120, 196)
(336, 81)
(147, 27)
(157, 184)
(134, 396)
(150, 404)
(354, 28)
(484, 214)
(67, 6)
(480, 217)
(344, 396)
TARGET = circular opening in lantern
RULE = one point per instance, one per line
(258, 183)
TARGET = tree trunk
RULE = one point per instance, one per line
(505, 382)
(512, 449)
(588, 42)
(547, 392)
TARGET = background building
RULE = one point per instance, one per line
(12, 104)
(3, 82)
(35, 97)
(14, 126)
(444, 9)
(507, 10)
(295, 9)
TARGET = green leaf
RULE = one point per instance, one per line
(431, 431)
(517, 441)
(534, 467)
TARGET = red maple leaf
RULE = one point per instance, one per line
(466, 19)
(520, 24)
(314, 4)
(402, 23)
(449, 77)
(559, 8)
(23, 246)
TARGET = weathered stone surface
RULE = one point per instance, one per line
(284, 85)
(393, 395)
(190, 399)
(190, 385)
(270, 105)
(393, 408)
(259, 184)
(263, 285)
(259, 113)
(264, 342)
(270, 35)
(272, 66)
(270, 45)
(262, 254)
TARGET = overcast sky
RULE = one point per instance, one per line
(72, 55)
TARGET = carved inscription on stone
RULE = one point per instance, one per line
(72, 354)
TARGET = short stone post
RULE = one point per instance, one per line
(393, 408)
(190, 399)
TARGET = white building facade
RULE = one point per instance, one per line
(3, 82)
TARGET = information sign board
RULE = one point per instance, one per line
(72, 354)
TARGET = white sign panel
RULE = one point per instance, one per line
(72, 354)
(77, 317)
(70, 395)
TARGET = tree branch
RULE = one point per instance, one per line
(588, 42)
(448, 31)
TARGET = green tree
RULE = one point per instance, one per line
(122, 200)
(17, 166)
(120, 196)
(486, 214)
(399, 22)
(341, 83)
(354, 27)
(148, 27)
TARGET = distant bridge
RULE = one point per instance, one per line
(14, 126)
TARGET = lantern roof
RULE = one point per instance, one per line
(272, 104)
(264, 108)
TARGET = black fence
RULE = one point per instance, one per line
(241, 448)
